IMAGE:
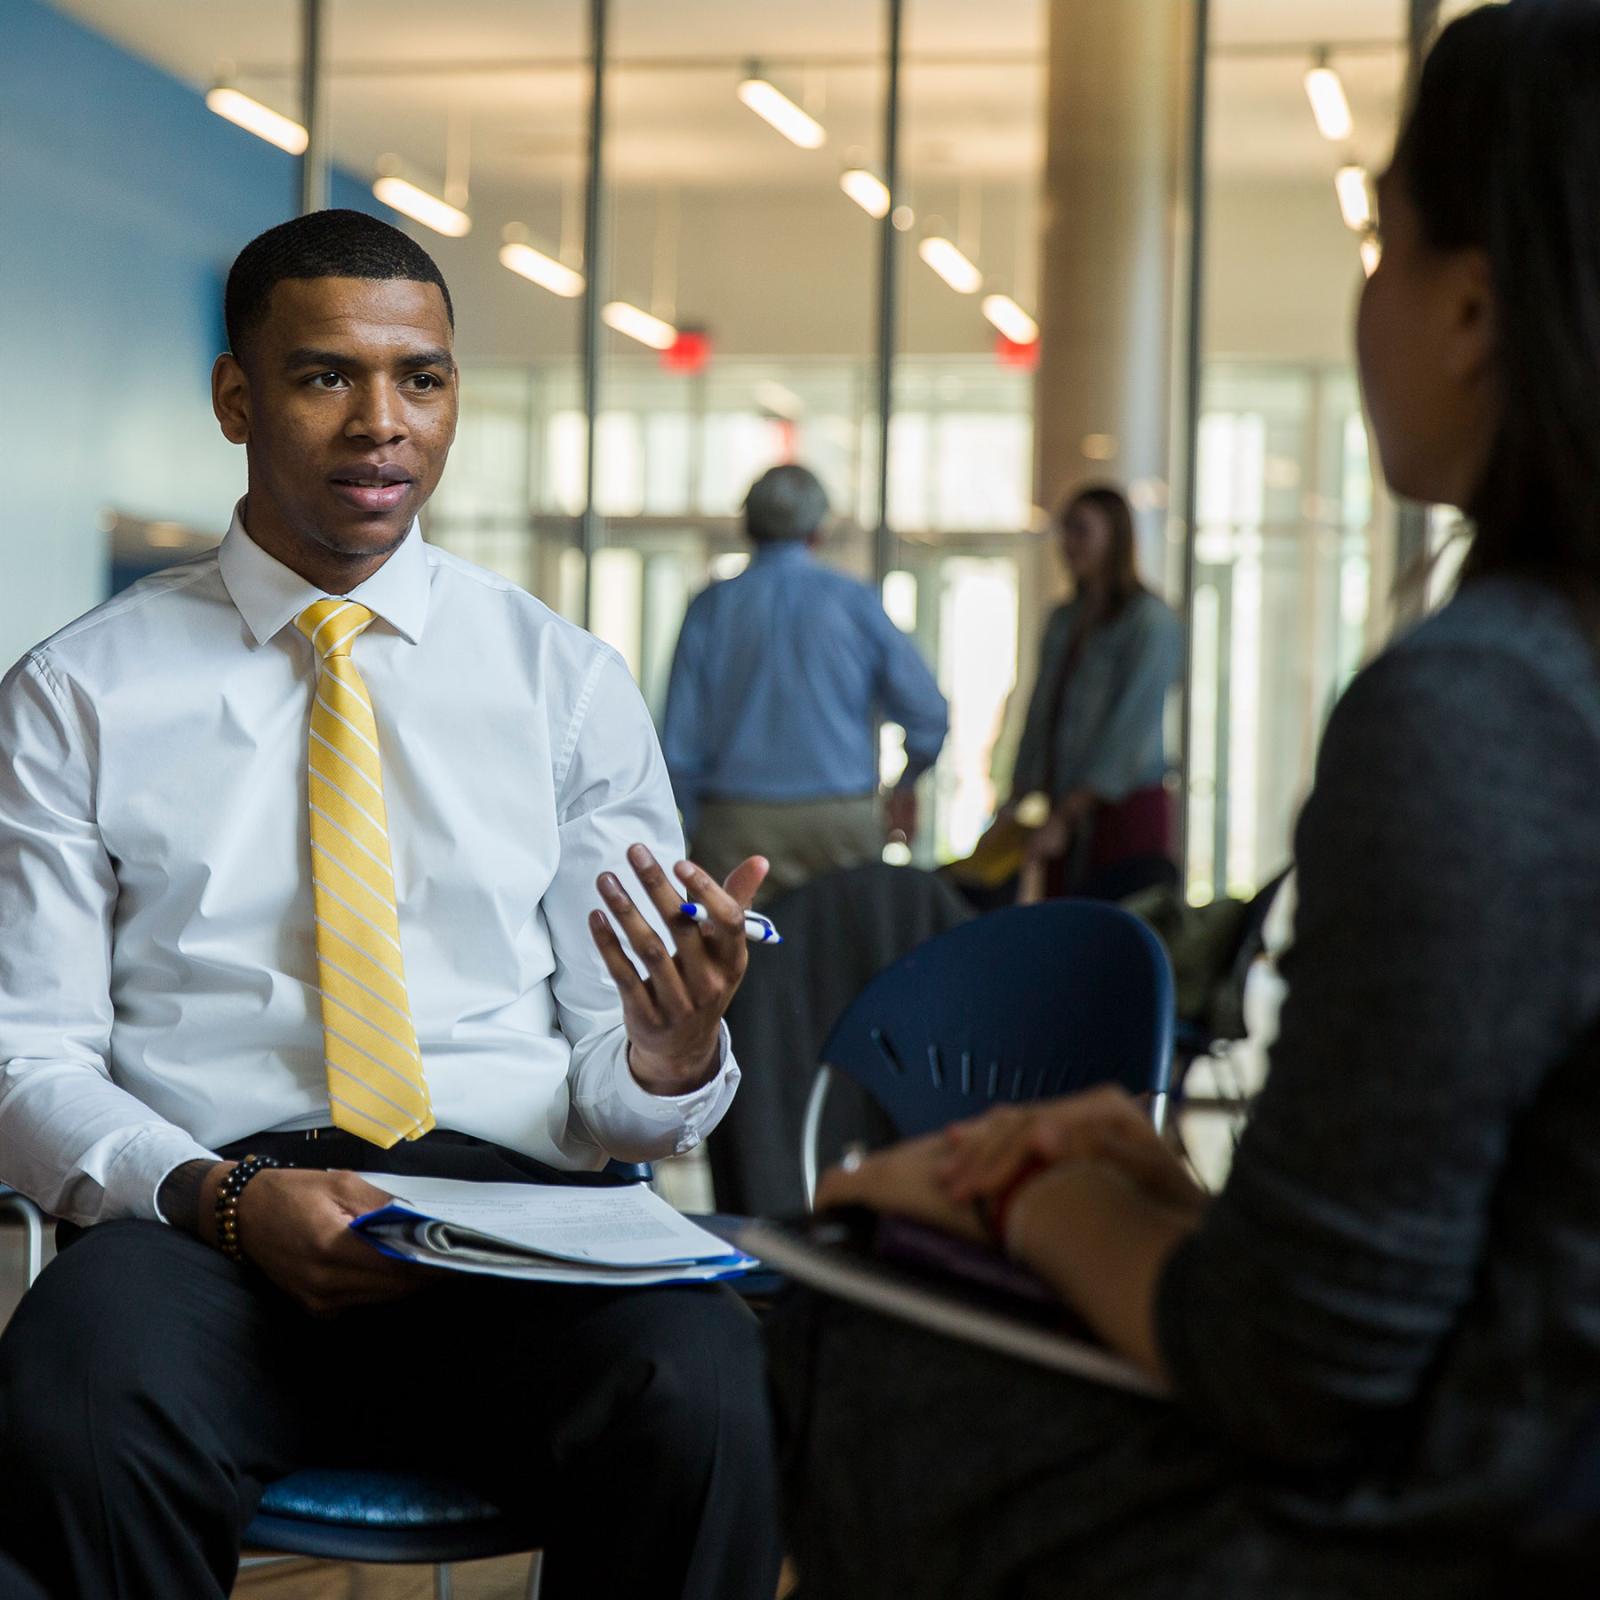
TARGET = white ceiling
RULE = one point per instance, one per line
(513, 73)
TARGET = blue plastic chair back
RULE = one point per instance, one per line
(1021, 1004)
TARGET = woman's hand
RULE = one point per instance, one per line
(947, 1178)
(982, 1158)
(903, 1180)
(1049, 841)
(1052, 838)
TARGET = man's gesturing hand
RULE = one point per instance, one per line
(674, 1012)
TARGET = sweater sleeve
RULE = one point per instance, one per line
(1443, 869)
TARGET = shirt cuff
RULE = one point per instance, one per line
(695, 1112)
(134, 1177)
(629, 1123)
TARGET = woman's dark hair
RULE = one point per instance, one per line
(1122, 574)
(1501, 152)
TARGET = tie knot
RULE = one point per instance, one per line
(332, 626)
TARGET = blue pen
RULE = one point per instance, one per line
(757, 928)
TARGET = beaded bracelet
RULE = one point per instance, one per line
(228, 1192)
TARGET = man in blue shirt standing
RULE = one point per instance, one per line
(779, 679)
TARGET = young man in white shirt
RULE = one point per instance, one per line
(269, 893)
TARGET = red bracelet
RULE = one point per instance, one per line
(999, 1208)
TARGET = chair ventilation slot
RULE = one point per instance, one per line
(887, 1051)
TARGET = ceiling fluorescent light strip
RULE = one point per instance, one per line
(1010, 318)
(420, 206)
(950, 264)
(778, 111)
(1355, 202)
(637, 324)
(258, 119)
(546, 271)
(1329, 104)
(867, 189)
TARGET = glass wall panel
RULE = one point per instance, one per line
(757, 269)
(961, 440)
(483, 105)
(1294, 535)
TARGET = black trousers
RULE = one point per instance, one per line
(150, 1388)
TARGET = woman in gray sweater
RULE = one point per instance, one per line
(1383, 1336)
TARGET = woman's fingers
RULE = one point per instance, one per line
(985, 1154)
(986, 1167)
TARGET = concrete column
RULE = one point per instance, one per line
(1108, 381)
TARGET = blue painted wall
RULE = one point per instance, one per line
(122, 202)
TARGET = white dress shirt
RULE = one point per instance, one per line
(158, 976)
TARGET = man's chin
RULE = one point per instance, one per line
(359, 538)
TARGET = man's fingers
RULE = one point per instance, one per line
(663, 892)
(666, 983)
(727, 910)
(746, 879)
(637, 999)
(693, 958)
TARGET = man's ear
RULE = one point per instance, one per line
(1470, 325)
(230, 399)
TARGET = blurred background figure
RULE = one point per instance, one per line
(1089, 808)
(777, 685)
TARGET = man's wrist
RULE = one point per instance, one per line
(187, 1197)
(659, 1076)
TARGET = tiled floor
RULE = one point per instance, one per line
(323, 1580)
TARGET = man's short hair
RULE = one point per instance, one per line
(321, 244)
(785, 503)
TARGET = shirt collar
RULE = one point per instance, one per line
(782, 550)
(269, 596)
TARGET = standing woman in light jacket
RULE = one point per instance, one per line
(1093, 742)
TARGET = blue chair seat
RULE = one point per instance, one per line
(358, 1514)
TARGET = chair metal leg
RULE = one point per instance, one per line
(443, 1589)
(811, 1132)
(33, 1225)
(535, 1574)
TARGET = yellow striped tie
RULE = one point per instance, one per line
(376, 1086)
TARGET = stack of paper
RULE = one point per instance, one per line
(546, 1233)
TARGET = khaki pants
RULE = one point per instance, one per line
(801, 838)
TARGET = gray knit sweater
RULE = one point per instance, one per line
(1396, 1300)
(1387, 1329)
